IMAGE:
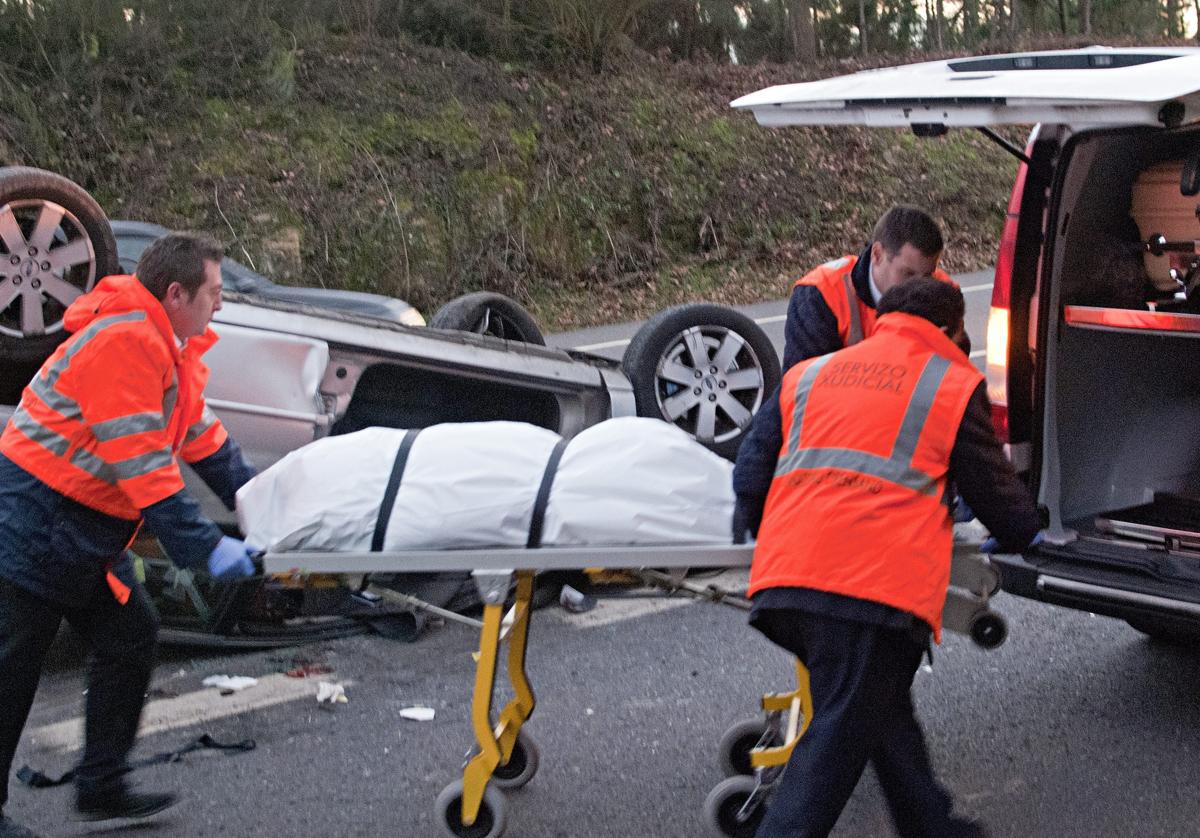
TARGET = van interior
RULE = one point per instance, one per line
(1120, 452)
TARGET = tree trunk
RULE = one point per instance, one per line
(970, 18)
(1172, 18)
(506, 31)
(1062, 17)
(939, 22)
(998, 8)
(804, 35)
(1085, 12)
(862, 25)
(1197, 2)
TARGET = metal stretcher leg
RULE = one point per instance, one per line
(753, 755)
(798, 706)
(496, 741)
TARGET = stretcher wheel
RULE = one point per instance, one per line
(723, 808)
(989, 630)
(736, 744)
(521, 766)
(490, 822)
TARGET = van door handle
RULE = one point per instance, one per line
(1189, 178)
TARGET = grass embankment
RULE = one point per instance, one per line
(424, 174)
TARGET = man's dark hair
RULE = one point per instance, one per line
(938, 302)
(908, 225)
(177, 257)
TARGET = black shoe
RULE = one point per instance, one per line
(121, 803)
(11, 829)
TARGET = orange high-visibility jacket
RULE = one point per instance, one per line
(855, 319)
(858, 503)
(106, 416)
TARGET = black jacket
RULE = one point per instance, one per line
(811, 328)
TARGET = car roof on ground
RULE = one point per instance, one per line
(133, 237)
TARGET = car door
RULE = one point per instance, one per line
(1081, 88)
(1064, 91)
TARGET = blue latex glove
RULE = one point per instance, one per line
(991, 545)
(230, 559)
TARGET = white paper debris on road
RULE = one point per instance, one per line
(418, 714)
(229, 682)
(331, 693)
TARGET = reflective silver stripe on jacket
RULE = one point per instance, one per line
(897, 467)
(81, 458)
(197, 430)
(143, 464)
(135, 423)
(169, 399)
(43, 385)
(803, 386)
(856, 327)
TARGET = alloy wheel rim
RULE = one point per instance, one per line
(709, 382)
(46, 262)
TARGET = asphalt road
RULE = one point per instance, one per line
(1077, 726)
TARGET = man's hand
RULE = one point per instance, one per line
(743, 531)
(231, 559)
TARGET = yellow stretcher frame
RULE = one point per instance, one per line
(973, 581)
(798, 706)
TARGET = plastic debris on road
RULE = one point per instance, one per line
(328, 693)
(418, 714)
(575, 601)
(229, 683)
(309, 669)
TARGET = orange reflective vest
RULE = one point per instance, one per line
(106, 416)
(858, 503)
(855, 319)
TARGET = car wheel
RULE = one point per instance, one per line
(704, 368)
(488, 313)
(55, 244)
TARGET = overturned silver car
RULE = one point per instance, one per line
(294, 365)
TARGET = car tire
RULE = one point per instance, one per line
(488, 313)
(67, 259)
(712, 397)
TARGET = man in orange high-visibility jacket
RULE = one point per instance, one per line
(833, 306)
(92, 450)
(847, 468)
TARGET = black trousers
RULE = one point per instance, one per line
(120, 642)
(861, 677)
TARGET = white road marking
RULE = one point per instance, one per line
(608, 344)
(968, 290)
(609, 611)
(762, 321)
(189, 709)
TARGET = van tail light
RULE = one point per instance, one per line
(998, 316)
(997, 369)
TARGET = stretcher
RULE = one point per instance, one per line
(505, 757)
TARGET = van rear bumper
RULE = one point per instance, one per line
(1077, 585)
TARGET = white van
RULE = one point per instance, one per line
(1093, 350)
